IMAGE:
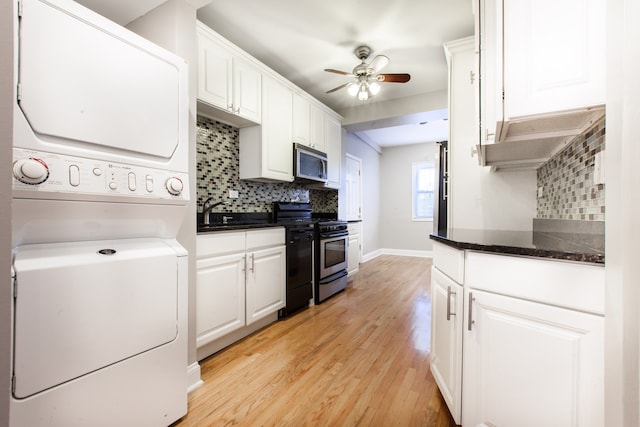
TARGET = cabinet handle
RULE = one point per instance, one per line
(445, 192)
(470, 320)
(487, 134)
(252, 256)
(237, 110)
(230, 107)
(449, 313)
(472, 76)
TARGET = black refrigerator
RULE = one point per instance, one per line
(441, 192)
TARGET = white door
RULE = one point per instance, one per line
(82, 306)
(266, 282)
(446, 339)
(530, 364)
(220, 306)
(353, 181)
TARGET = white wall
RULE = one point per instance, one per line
(622, 274)
(7, 98)
(400, 233)
(370, 194)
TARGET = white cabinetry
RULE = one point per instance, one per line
(333, 140)
(266, 152)
(446, 324)
(241, 278)
(533, 338)
(226, 81)
(521, 334)
(353, 258)
(308, 123)
(531, 364)
(542, 76)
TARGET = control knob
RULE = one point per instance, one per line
(31, 171)
(174, 186)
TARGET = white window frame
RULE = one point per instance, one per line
(415, 167)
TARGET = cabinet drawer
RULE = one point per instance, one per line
(571, 285)
(450, 261)
(353, 228)
(214, 244)
(265, 237)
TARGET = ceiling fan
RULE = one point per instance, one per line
(367, 81)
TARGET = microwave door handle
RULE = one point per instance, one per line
(324, 169)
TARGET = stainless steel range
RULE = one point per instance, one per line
(332, 248)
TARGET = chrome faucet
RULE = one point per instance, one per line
(206, 209)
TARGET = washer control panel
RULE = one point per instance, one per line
(55, 173)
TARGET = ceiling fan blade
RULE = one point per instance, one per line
(378, 63)
(393, 78)
(339, 87)
(344, 73)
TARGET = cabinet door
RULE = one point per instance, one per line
(316, 128)
(220, 298)
(446, 339)
(247, 91)
(553, 55)
(301, 117)
(353, 260)
(530, 364)
(333, 139)
(215, 67)
(277, 116)
(266, 282)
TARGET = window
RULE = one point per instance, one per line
(422, 191)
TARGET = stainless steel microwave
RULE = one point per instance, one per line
(309, 164)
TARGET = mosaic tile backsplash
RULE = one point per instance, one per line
(567, 180)
(218, 155)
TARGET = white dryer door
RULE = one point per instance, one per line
(86, 80)
(82, 306)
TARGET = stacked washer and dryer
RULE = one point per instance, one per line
(100, 191)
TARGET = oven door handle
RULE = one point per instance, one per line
(333, 234)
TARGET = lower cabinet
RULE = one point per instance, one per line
(446, 339)
(241, 278)
(353, 257)
(517, 341)
(531, 364)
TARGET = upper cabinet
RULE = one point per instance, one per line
(308, 123)
(229, 87)
(542, 76)
(266, 152)
(271, 112)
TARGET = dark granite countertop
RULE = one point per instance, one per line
(581, 247)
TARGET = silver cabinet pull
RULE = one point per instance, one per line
(253, 258)
(470, 320)
(449, 313)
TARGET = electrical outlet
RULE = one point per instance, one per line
(233, 194)
(540, 191)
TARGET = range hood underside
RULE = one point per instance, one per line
(528, 142)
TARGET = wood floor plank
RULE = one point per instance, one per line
(360, 358)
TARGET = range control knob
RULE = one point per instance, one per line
(31, 171)
(174, 186)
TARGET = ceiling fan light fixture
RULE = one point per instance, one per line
(353, 89)
(374, 88)
(363, 95)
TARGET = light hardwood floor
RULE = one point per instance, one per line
(360, 358)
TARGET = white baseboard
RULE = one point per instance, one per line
(193, 377)
(398, 252)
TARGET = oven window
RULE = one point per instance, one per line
(334, 252)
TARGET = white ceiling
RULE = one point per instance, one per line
(299, 39)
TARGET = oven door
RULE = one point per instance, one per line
(333, 253)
